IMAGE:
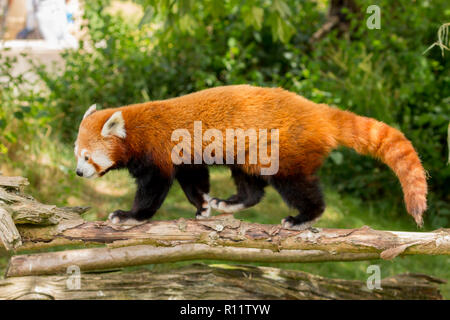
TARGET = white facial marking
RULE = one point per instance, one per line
(101, 159)
(97, 157)
(85, 167)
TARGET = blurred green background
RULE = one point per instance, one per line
(169, 48)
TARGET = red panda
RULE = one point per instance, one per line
(140, 138)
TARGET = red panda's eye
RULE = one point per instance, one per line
(86, 158)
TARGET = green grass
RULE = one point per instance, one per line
(116, 190)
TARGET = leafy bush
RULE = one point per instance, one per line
(386, 75)
(125, 62)
(22, 110)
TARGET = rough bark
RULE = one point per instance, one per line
(9, 235)
(200, 281)
(15, 183)
(25, 209)
(222, 239)
(17, 208)
(225, 231)
(111, 258)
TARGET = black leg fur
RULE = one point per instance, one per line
(302, 193)
(152, 189)
(194, 180)
(250, 190)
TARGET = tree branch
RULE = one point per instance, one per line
(229, 281)
(220, 238)
(9, 235)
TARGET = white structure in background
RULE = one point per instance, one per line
(23, 21)
(51, 17)
(30, 18)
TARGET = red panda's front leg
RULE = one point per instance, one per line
(152, 189)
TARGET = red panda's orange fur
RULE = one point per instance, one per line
(307, 132)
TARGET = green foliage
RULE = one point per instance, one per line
(178, 47)
(188, 16)
(22, 110)
(386, 76)
(159, 56)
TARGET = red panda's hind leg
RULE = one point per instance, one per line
(250, 191)
(194, 180)
(302, 193)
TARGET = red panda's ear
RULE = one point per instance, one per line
(115, 126)
(90, 111)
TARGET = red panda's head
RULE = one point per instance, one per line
(100, 142)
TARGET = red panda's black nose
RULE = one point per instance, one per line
(79, 173)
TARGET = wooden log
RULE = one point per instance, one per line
(9, 235)
(112, 258)
(15, 183)
(225, 231)
(18, 208)
(200, 281)
(223, 239)
(24, 209)
(43, 226)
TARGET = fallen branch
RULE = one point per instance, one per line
(15, 183)
(219, 238)
(225, 231)
(9, 235)
(200, 281)
(223, 238)
(17, 208)
(112, 258)
(25, 209)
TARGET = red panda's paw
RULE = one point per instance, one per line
(225, 206)
(200, 216)
(291, 224)
(123, 218)
(204, 212)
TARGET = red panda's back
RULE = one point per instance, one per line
(305, 131)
